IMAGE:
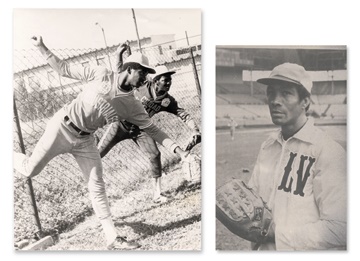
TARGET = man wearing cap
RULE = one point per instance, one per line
(155, 98)
(106, 99)
(300, 171)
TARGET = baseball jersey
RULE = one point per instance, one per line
(102, 102)
(303, 180)
(153, 104)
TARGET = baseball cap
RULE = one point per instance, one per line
(141, 59)
(162, 70)
(289, 72)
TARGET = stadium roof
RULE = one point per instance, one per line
(311, 57)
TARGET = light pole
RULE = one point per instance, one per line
(136, 28)
(107, 51)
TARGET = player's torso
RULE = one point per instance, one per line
(287, 178)
(152, 105)
(88, 110)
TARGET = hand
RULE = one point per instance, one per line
(182, 154)
(37, 41)
(271, 233)
(122, 48)
(196, 138)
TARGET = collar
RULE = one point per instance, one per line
(153, 93)
(118, 89)
(306, 134)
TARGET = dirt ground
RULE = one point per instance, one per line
(175, 225)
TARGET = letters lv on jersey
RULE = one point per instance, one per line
(306, 163)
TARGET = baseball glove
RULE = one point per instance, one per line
(191, 167)
(195, 139)
(243, 212)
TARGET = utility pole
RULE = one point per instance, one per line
(136, 28)
(107, 51)
(197, 82)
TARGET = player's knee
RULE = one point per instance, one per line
(155, 156)
(96, 186)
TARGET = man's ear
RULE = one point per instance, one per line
(306, 102)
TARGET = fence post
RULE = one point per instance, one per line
(197, 82)
(29, 186)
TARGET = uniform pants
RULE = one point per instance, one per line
(147, 145)
(60, 138)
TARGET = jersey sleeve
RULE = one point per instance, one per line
(78, 72)
(161, 137)
(182, 114)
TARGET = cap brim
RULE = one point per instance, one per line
(275, 79)
(149, 69)
(165, 73)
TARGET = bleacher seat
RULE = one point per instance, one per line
(329, 99)
(233, 111)
(239, 99)
(337, 111)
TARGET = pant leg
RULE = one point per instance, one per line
(149, 148)
(88, 158)
(55, 140)
(122, 134)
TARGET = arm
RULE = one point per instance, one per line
(119, 56)
(184, 116)
(62, 67)
(108, 136)
(161, 137)
(111, 118)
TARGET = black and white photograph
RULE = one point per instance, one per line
(107, 129)
(281, 148)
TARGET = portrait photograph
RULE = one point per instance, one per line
(107, 129)
(281, 142)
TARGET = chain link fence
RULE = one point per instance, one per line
(59, 190)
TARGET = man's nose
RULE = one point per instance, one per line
(275, 99)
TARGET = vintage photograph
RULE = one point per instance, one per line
(107, 129)
(281, 168)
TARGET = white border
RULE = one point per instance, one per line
(251, 22)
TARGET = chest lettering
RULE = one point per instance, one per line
(303, 173)
(150, 106)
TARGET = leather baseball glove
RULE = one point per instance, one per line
(195, 139)
(191, 167)
(243, 212)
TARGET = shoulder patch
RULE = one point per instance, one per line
(165, 102)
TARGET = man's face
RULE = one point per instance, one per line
(137, 77)
(163, 84)
(285, 104)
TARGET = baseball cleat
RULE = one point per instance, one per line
(121, 243)
(160, 199)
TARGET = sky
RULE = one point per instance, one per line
(77, 29)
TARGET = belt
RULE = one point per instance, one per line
(81, 132)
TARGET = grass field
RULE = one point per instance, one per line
(236, 158)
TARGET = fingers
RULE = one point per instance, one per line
(122, 48)
(37, 40)
(185, 155)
